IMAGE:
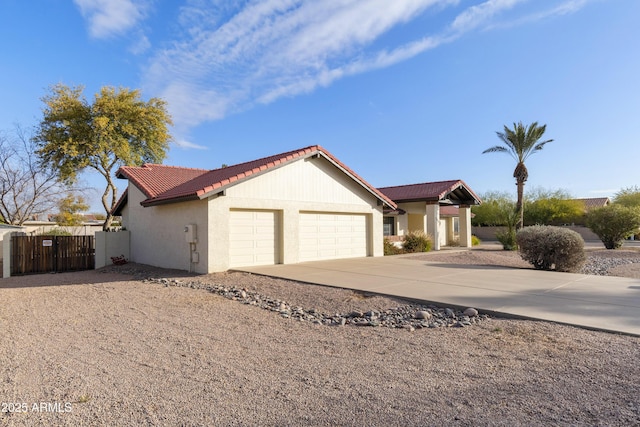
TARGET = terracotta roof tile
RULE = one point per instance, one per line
(594, 202)
(431, 192)
(168, 184)
(154, 180)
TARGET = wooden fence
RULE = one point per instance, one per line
(45, 254)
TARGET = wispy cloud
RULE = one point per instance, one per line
(566, 7)
(233, 56)
(478, 15)
(108, 18)
(140, 44)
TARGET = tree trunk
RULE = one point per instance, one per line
(111, 188)
(519, 205)
(520, 174)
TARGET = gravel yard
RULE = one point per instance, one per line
(111, 348)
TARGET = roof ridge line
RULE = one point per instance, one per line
(280, 155)
(423, 183)
(147, 165)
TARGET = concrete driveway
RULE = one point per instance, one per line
(597, 302)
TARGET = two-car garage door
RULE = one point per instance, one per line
(256, 237)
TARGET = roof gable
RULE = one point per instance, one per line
(594, 202)
(168, 184)
(456, 191)
(154, 180)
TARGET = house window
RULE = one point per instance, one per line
(388, 226)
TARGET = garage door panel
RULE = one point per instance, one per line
(253, 238)
(331, 236)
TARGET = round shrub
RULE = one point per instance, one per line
(475, 241)
(417, 241)
(549, 248)
(613, 224)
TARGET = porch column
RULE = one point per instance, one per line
(433, 223)
(402, 224)
(449, 230)
(465, 226)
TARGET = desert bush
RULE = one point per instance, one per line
(391, 249)
(507, 238)
(548, 248)
(417, 241)
(629, 197)
(497, 209)
(614, 223)
(456, 242)
(553, 211)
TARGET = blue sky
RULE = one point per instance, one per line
(400, 91)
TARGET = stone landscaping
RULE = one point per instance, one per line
(409, 316)
(600, 265)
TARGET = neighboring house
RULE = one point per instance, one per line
(594, 202)
(441, 209)
(88, 228)
(302, 205)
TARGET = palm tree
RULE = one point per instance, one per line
(520, 142)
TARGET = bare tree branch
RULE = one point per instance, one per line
(26, 189)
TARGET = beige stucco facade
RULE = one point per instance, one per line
(309, 185)
(426, 217)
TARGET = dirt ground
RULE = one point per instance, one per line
(106, 348)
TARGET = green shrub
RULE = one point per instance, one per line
(497, 209)
(475, 241)
(548, 248)
(417, 241)
(614, 223)
(552, 207)
(391, 249)
(508, 239)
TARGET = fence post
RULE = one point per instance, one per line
(6, 255)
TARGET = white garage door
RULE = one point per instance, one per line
(253, 238)
(332, 236)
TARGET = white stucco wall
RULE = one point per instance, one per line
(111, 244)
(157, 232)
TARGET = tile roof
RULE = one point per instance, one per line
(170, 184)
(456, 190)
(594, 202)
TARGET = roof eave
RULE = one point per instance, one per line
(168, 201)
(121, 203)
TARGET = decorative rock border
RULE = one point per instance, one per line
(409, 316)
(600, 266)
